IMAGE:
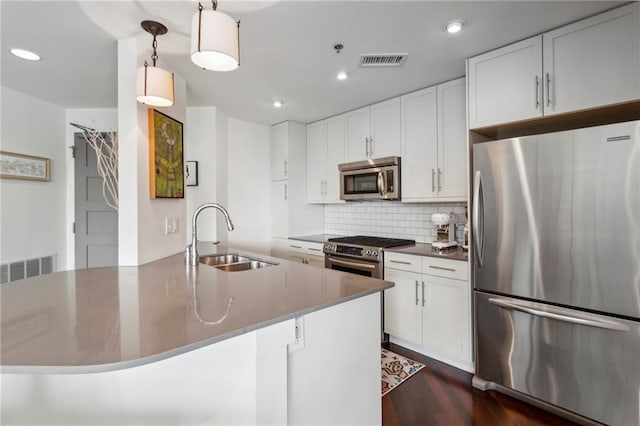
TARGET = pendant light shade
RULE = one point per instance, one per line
(154, 85)
(215, 40)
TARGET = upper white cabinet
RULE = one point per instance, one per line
(587, 64)
(373, 131)
(325, 150)
(434, 141)
(505, 85)
(593, 62)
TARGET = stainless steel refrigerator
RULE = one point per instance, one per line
(556, 233)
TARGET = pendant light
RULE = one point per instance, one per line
(154, 86)
(215, 40)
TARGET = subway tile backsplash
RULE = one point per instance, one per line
(388, 219)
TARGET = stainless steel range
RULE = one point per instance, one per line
(359, 254)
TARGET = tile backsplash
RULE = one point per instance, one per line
(388, 219)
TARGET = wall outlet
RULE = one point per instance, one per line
(167, 226)
(298, 343)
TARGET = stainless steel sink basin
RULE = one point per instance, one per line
(233, 262)
(223, 259)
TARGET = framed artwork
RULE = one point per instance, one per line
(191, 173)
(25, 167)
(166, 166)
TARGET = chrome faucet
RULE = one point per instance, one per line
(191, 251)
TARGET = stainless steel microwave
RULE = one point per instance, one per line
(375, 179)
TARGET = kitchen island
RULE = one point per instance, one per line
(166, 343)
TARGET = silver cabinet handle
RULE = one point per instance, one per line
(548, 90)
(478, 216)
(286, 163)
(399, 261)
(366, 146)
(439, 179)
(321, 187)
(423, 293)
(298, 247)
(560, 314)
(371, 146)
(537, 91)
(417, 299)
(433, 180)
(442, 268)
(286, 196)
(325, 187)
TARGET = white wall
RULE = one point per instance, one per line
(141, 236)
(33, 216)
(249, 185)
(101, 119)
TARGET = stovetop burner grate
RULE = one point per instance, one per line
(365, 240)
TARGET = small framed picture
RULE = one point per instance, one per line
(191, 173)
(25, 167)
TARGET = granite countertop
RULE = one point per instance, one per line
(102, 319)
(425, 249)
(318, 238)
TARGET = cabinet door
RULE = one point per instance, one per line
(445, 318)
(357, 133)
(279, 151)
(280, 209)
(335, 156)
(297, 257)
(315, 261)
(385, 129)
(419, 144)
(506, 84)
(452, 140)
(402, 305)
(593, 62)
(316, 161)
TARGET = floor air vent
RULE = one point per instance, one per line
(383, 59)
(19, 270)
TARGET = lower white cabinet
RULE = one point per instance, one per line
(306, 252)
(429, 309)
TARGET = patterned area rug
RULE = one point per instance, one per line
(396, 369)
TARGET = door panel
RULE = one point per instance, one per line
(96, 236)
(584, 369)
(402, 308)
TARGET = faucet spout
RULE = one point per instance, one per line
(191, 251)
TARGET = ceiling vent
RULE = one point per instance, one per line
(383, 59)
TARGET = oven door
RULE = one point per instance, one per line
(346, 264)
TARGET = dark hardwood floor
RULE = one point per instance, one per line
(442, 395)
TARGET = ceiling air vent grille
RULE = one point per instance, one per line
(383, 59)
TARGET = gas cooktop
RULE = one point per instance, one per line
(378, 242)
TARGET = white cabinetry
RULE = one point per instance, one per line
(373, 131)
(587, 64)
(290, 213)
(306, 252)
(429, 309)
(325, 150)
(434, 143)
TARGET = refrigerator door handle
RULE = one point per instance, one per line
(560, 314)
(478, 216)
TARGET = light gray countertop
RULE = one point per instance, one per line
(425, 249)
(318, 238)
(102, 319)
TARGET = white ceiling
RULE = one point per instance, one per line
(286, 49)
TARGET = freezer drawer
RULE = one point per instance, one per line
(585, 363)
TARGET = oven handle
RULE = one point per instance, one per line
(355, 265)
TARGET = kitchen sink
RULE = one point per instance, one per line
(233, 262)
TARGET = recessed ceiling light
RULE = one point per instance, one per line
(25, 54)
(277, 104)
(454, 26)
(342, 75)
